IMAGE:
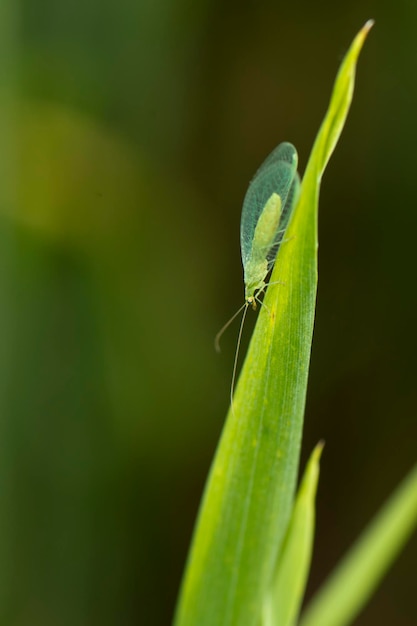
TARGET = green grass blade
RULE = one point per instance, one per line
(334, 120)
(250, 490)
(354, 580)
(288, 585)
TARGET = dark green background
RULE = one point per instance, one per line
(129, 133)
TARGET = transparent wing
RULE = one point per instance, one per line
(278, 173)
(287, 210)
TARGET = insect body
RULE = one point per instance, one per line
(267, 208)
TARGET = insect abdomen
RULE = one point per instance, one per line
(263, 240)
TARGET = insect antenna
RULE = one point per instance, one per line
(223, 328)
(239, 339)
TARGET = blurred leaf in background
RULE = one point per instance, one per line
(129, 134)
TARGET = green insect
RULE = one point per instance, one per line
(267, 207)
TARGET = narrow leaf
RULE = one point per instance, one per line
(250, 490)
(354, 580)
(284, 601)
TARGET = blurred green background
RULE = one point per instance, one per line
(129, 133)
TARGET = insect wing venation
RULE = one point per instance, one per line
(277, 174)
